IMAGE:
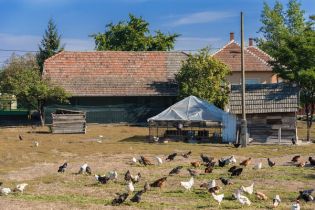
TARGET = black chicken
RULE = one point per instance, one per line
(127, 176)
(271, 163)
(175, 170)
(237, 172)
(63, 167)
(137, 197)
(102, 179)
(120, 199)
(186, 155)
(226, 181)
(171, 156)
(306, 195)
(206, 159)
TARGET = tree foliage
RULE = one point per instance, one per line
(50, 44)
(203, 76)
(290, 40)
(133, 35)
(21, 77)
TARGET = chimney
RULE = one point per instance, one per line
(231, 36)
(251, 42)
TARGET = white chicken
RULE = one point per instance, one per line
(83, 168)
(296, 205)
(276, 201)
(112, 175)
(258, 166)
(134, 160)
(36, 143)
(188, 185)
(249, 189)
(20, 187)
(231, 160)
(218, 198)
(212, 184)
(242, 199)
(130, 187)
(159, 160)
(5, 191)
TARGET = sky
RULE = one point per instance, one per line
(200, 23)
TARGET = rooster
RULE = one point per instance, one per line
(63, 167)
(137, 197)
(20, 187)
(312, 161)
(175, 170)
(206, 159)
(120, 199)
(271, 163)
(226, 181)
(145, 161)
(276, 201)
(246, 162)
(101, 179)
(249, 189)
(188, 185)
(196, 164)
(186, 155)
(296, 158)
(159, 183)
(171, 156)
(261, 196)
(218, 198)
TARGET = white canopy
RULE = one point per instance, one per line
(194, 109)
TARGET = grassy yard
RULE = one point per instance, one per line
(21, 162)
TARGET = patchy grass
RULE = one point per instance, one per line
(22, 162)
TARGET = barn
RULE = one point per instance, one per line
(115, 86)
(270, 111)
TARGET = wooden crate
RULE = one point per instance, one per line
(68, 121)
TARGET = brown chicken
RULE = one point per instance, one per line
(145, 161)
(296, 158)
(196, 164)
(159, 183)
(261, 196)
(208, 170)
(215, 189)
(301, 164)
(246, 162)
(186, 155)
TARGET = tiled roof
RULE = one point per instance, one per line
(255, 59)
(265, 98)
(115, 73)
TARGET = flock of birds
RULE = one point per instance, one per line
(209, 164)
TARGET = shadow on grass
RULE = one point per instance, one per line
(310, 176)
(137, 138)
(40, 132)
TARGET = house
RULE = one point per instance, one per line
(270, 111)
(257, 69)
(115, 86)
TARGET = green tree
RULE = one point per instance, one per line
(203, 76)
(133, 35)
(290, 40)
(21, 77)
(50, 44)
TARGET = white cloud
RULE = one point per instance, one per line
(195, 43)
(200, 17)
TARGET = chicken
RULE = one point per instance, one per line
(249, 189)
(171, 156)
(35, 144)
(312, 161)
(188, 185)
(145, 161)
(271, 163)
(261, 196)
(306, 195)
(293, 141)
(296, 205)
(209, 164)
(159, 160)
(296, 158)
(229, 160)
(20, 187)
(276, 201)
(112, 175)
(5, 191)
(146, 187)
(208, 170)
(186, 155)
(236, 145)
(136, 178)
(226, 181)
(246, 162)
(192, 172)
(214, 189)
(301, 164)
(212, 184)
(175, 170)
(258, 166)
(101, 179)
(127, 176)
(218, 198)
(137, 197)
(196, 164)
(20, 137)
(130, 188)
(206, 159)
(222, 163)
(120, 199)
(159, 183)
(134, 160)
(237, 172)
(232, 169)
(242, 199)
(63, 167)
(84, 168)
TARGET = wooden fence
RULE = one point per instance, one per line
(68, 121)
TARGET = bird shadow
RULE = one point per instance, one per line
(136, 138)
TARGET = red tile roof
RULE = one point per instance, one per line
(115, 73)
(255, 59)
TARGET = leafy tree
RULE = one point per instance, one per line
(133, 35)
(290, 40)
(22, 78)
(204, 76)
(50, 44)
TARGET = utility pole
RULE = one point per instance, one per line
(243, 136)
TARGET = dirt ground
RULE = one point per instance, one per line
(21, 161)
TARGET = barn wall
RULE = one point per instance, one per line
(265, 127)
(116, 109)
